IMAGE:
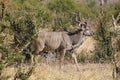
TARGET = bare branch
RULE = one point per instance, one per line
(118, 17)
(114, 22)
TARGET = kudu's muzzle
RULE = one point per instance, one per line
(88, 32)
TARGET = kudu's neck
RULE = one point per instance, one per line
(76, 37)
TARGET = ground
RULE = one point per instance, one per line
(51, 72)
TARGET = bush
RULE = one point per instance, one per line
(15, 59)
(103, 49)
(1, 66)
(62, 12)
(24, 75)
(82, 58)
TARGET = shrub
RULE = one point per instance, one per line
(103, 49)
(15, 59)
(62, 12)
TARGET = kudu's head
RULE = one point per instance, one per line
(86, 29)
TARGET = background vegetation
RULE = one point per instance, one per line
(20, 20)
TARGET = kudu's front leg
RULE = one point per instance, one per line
(76, 62)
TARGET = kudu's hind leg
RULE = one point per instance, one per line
(62, 58)
(32, 58)
(39, 46)
(76, 62)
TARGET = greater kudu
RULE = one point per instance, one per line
(63, 41)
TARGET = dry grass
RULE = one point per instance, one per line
(69, 72)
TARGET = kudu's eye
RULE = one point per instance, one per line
(83, 27)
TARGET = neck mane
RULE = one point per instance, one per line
(75, 32)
